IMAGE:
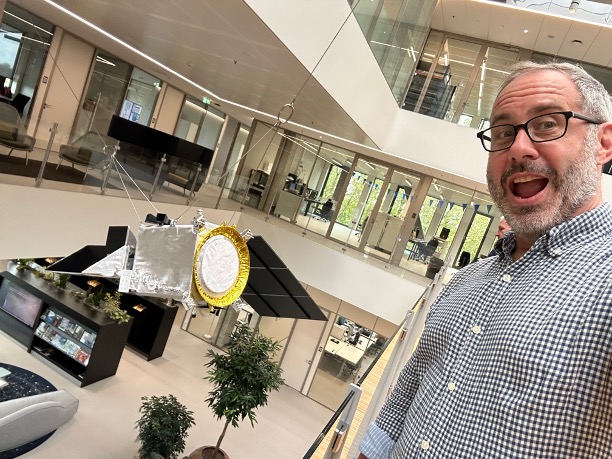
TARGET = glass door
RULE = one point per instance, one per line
(472, 242)
(360, 198)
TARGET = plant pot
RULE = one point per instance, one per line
(205, 452)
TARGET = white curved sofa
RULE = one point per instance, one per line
(26, 419)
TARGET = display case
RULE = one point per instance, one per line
(72, 336)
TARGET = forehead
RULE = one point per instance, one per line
(536, 92)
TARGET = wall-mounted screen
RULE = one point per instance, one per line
(20, 304)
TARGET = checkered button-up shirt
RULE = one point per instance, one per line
(515, 360)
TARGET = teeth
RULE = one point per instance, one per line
(527, 178)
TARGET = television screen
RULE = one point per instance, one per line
(18, 303)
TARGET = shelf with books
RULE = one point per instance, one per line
(77, 339)
(66, 336)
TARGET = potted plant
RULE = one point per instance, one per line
(242, 379)
(162, 427)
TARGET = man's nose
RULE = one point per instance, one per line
(523, 147)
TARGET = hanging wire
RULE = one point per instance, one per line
(326, 50)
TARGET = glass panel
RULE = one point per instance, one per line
(231, 165)
(140, 98)
(456, 62)
(252, 177)
(349, 350)
(384, 234)
(395, 31)
(116, 88)
(104, 95)
(435, 229)
(493, 71)
(325, 178)
(24, 45)
(361, 194)
(432, 46)
(199, 123)
(472, 243)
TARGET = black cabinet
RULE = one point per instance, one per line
(79, 340)
(152, 318)
(152, 322)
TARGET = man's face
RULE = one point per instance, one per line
(539, 185)
(502, 229)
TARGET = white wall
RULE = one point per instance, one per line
(168, 109)
(67, 70)
(348, 71)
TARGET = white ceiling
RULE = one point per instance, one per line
(221, 46)
(546, 33)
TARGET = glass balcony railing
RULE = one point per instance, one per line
(341, 436)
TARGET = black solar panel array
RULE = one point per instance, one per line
(272, 289)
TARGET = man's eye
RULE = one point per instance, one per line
(503, 133)
(545, 125)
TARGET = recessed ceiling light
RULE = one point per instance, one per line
(577, 42)
(550, 36)
(525, 30)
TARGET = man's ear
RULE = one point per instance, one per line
(604, 144)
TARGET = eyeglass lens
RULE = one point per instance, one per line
(539, 129)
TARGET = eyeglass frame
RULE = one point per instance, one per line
(516, 127)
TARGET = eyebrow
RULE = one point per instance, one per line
(533, 111)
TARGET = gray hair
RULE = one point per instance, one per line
(594, 99)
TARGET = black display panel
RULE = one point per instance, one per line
(20, 304)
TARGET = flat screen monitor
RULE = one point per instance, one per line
(20, 304)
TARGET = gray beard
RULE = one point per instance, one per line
(572, 190)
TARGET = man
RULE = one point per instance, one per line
(515, 360)
(502, 229)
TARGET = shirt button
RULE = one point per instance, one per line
(506, 277)
(451, 386)
(424, 445)
(476, 329)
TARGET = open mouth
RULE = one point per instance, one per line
(527, 186)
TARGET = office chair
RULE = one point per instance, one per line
(19, 102)
(429, 250)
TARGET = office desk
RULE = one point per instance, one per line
(333, 345)
(310, 202)
(418, 248)
(345, 352)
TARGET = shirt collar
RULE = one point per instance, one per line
(588, 226)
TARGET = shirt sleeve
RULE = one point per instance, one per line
(376, 444)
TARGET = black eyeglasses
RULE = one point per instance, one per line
(542, 128)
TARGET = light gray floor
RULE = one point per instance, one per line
(103, 426)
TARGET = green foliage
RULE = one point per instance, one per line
(112, 309)
(243, 377)
(24, 263)
(79, 295)
(49, 276)
(96, 297)
(162, 427)
(61, 280)
(478, 230)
